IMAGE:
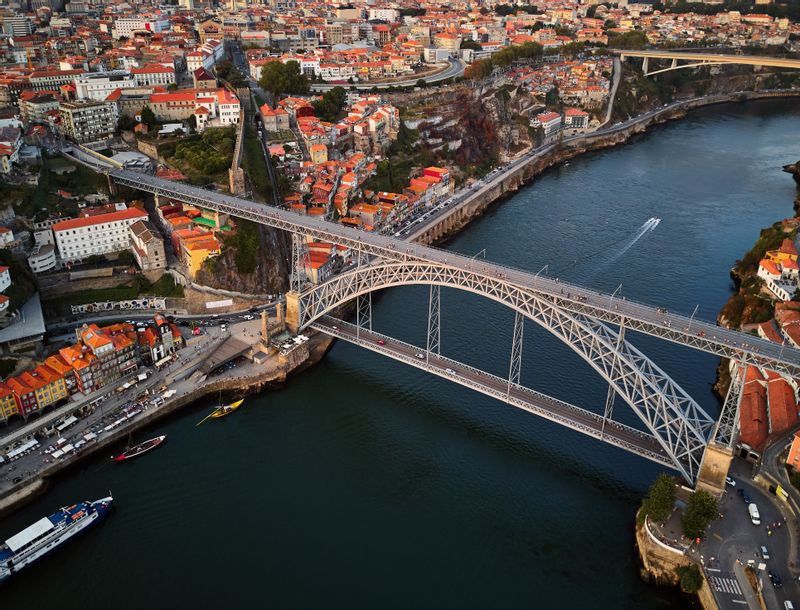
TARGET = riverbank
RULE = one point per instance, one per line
(240, 386)
(521, 172)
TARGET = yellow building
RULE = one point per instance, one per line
(8, 405)
(319, 153)
(787, 251)
(196, 251)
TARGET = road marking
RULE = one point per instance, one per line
(725, 585)
(713, 570)
(739, 601)
(718, 537)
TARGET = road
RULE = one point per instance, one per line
(574, 417)
(734, 538)
(454, 70)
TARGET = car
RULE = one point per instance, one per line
(746, 498)
(775, 579)
(764, 552)
(248, 317)
(740, 491)
(381, 342)
(16, 480)
(450, 371)
(335, 327)
(730, 481)
(788, 605)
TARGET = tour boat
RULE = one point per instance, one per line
(222, 411)
(48, 533)
(141, 448)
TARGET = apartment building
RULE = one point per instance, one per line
(88, 120)
(79, 238)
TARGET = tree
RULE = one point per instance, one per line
(660, 499)
(553, 97)
(329, 106)
(629, 40)
(700, 511)
(421, 83)
(148, 117)
(471, 44)
(691, 578)
(279, 78)
(126, 123)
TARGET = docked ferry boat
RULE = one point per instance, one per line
(48, 533)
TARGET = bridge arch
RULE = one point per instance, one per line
(679, 424)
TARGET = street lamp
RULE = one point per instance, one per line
(618, 288)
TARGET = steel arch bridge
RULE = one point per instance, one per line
(674, 419)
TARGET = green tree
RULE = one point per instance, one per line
(553, 97)
(148, 117)
(329, 106)
(629, 40)
(421, 83)
(700, 511)
(691, 579)
(471, 44)
(660, 499)
(279, 78)
(126, 123)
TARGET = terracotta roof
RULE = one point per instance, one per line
(77, 223)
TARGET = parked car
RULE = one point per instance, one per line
(764, 552)
(752, 509)
(730, 481)
(775, 579)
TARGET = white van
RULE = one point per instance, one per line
(754, 516)
(788, 605)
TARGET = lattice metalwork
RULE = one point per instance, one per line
(515, 364)
(674, 418)
(364, 311)
(555, 410)
(297, 278)
(466, 272)
(728, 424)
(434, 343)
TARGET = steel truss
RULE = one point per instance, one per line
(640, 317)
(672, 416)
(297, 277)
(515, 363)
(555, 410)
(434, 343)
(727, 427)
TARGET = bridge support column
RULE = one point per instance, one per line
(674, 64)
(363, 314)
(717, 460)
(434, 323)
(645, 65)
(515, 366)
(609, 410)
(293, 311)
(725, 432)
(297, 277)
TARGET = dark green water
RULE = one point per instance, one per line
(367, 484)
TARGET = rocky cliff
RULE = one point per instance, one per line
(254, 260)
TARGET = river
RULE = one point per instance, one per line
(367, 484)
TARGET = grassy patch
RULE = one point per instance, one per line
(139, 287)
(205, 158)
(254, 164)
(245, 242)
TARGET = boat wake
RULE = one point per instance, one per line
(646, 228)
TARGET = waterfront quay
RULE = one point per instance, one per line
(233, 361)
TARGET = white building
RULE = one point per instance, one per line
(79, 238)
(43, 258)
(550, 122)
(88, 121)
(128, 26)
(99, 85)
(5, 278)
(6, 237)
(154, 74)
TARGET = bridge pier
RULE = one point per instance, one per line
(714, 468)
(645, 64)
(293, 311)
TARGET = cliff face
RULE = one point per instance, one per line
(271, 251)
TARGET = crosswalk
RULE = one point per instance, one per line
(725, 585)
